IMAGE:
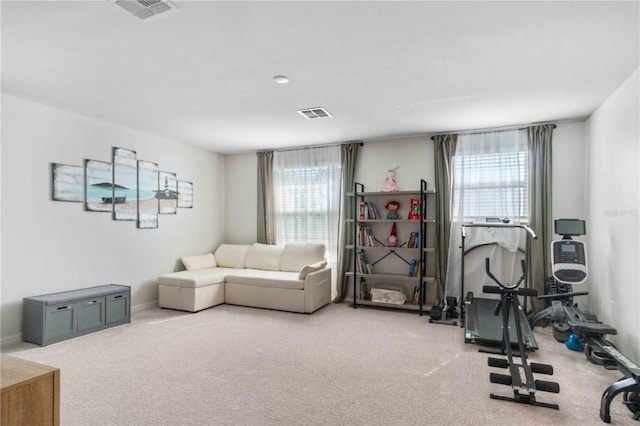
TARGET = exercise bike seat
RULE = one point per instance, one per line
(592, 328)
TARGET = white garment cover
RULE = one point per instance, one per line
(503, 254)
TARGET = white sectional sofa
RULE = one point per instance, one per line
(290, 278)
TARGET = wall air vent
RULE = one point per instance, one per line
(316, 112)
(147, 9)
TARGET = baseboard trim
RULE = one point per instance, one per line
(9, 340)
(144, 306)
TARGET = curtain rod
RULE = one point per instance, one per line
(493, 129)
(316, 146)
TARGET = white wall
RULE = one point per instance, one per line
(613, 196)
(241, 177)
(49, 246)
(568, 170)
(413, 156)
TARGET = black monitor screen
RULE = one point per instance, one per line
(570, 227)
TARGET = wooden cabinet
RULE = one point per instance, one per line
(404, 264)
(30, 393)
(58, 316)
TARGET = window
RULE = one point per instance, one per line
(307, 196)
(490, 176)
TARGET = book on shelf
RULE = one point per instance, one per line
(373, 212)
(363, 265)
(414, 240)
(364, 290)
(365, 237)
(415, 298)
(412, 268)
(415, 209)
(415, 268)
(368, 211)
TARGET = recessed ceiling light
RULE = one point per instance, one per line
(281, 79)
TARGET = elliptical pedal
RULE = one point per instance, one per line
(497, 362)
(535, 366)
(545, 386)
(501, 379)
(541, 368)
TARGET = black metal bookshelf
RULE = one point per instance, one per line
(374, 245)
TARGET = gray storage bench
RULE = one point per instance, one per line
(54, 317)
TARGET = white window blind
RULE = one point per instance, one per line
(490, 176)
(303, 203)
(307, 196)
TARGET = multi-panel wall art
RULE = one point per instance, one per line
(186, 191)
(98, 187)
(148, 192)
(168, 195)
(128, 188)
(125, 184)
(67, 183)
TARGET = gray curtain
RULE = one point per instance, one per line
(444, 149)
(349, 156)
(266, 208)
(540, 214)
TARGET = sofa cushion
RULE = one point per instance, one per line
(197, 278)
(296, 255)
(231, 255)
(193, 263)
(261, 278)
(264, 256)
(307, 269)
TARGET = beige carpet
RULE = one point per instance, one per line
(232, 365)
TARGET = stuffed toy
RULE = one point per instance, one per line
(393, 207)
(390, 184)
(392, 241)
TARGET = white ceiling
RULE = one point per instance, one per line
(203, 75)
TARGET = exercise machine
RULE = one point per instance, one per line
(446, 314)
(481, 325)
(569, 266)
(600, 351)
(520, 376)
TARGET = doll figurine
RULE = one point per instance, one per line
(393, 207)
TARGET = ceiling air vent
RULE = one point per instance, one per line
(147, 9)
(316, 112)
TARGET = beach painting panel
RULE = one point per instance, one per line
(67, 182)
(147, 195)
(125, 184)
(98, 186)
(168, 193)
(185, 194)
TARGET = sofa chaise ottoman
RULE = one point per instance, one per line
(292, 278)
